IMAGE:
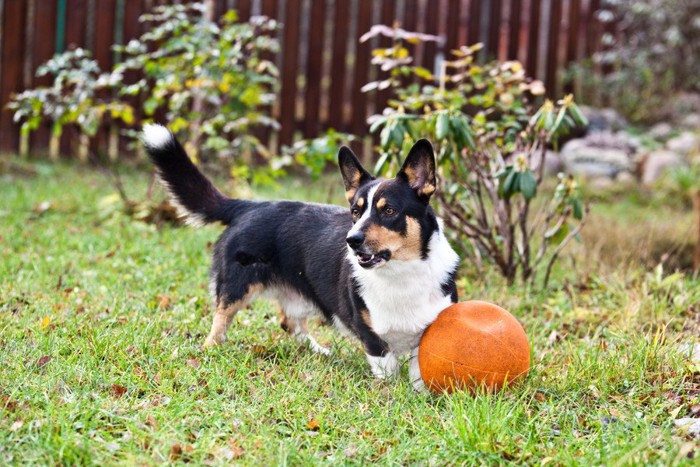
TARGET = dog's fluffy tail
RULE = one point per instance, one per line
(190, 190)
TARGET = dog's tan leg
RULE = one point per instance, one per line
(224, 313)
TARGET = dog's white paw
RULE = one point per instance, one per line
(384, 367)
(414, 373)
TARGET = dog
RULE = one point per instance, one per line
(380, 271)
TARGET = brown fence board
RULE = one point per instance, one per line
(360, 77)
(339, 62)
(290, 62)
(314, 67)
(13, 42)
(45, 34)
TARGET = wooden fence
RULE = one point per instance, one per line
(322, 64)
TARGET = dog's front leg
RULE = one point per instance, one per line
(384, 366)
(414, 374)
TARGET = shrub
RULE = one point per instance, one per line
(490, 143)
(211, 81)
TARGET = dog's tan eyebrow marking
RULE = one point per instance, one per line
(381, 203)
(360, 202)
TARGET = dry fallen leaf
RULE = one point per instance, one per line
(17, 425)
(43, 360)
(118, 391)
(313, 425)
(163, 301)
(193, 362)
(175, 452)
(151, 421)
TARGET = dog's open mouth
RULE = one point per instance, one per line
(368, 261)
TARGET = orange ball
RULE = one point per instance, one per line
(473, 344)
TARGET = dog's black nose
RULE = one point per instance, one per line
(355, 240)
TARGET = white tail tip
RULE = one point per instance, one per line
(156, 136)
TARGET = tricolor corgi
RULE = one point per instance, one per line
(380, 271)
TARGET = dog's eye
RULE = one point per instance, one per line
(354, 211)
(389, 211)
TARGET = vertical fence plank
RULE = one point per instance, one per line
(388, 16)
(516, 7)
(245, 7)
(290, 62)
(453, 20)
(533, 37)
(572, 40)
(13, 42)
(552, 56)
(432, 14)
(314, 67)
(44, 33)
(76, 26)
(494, 29)
(338, 98)
(359, 98)
(473, 29)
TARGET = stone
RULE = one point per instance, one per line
(690, 426)
(600, 154)
(691, 122)
(603, 119)
(686, 144)
(661, 131)
(659, 162)
(552, 163)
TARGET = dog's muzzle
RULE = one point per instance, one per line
(365, 259)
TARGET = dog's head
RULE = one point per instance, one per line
(392, 219)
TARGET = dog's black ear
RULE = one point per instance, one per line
(419, 169)
(354, 175)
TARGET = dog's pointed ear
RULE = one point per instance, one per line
(354, 175)
(419, 169)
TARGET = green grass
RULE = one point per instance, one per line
(102, 320)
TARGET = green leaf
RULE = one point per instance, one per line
(577, 208)
(442, 126)
(527, 184)
(377, 123)
(385, 136)
(379, 166)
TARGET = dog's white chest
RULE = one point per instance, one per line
(404, 297)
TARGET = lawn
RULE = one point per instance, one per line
(102, 319)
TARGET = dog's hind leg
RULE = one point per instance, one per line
(298, 328)
(226, 309)
(295, 310)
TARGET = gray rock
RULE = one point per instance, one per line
(685, 144)
(690, 426)
(552, 162)
(600, 154)
(661, 131)
(691, 121)
(659, 162)
(605, 119)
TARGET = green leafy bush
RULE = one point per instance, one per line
(491, 144)
(79, 95)
(212, 82)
